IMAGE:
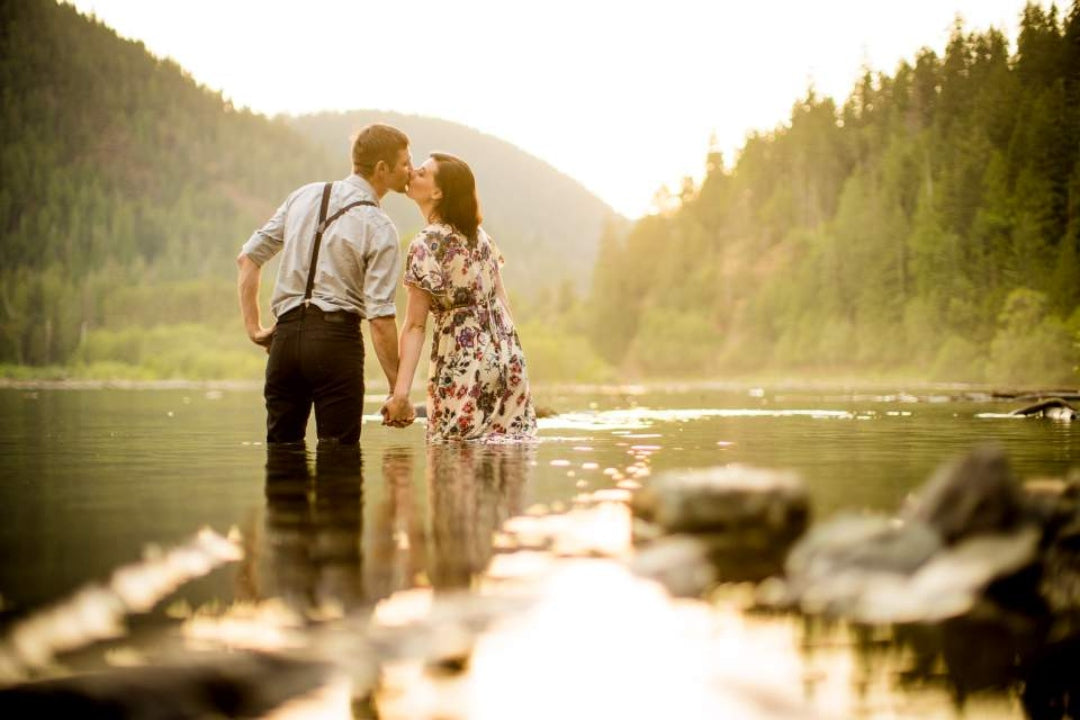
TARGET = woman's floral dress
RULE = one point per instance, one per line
(477, 386)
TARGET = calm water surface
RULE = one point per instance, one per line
(89, 478)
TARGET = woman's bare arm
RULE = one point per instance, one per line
(410, 343)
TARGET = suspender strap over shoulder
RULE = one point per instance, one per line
(318, 241)
(324, 222)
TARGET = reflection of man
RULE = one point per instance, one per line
(471, 491)
(315, 525)
(340, 261)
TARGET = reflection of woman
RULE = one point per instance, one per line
(472, 490)
(478, 388)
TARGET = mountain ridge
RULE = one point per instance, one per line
(127, 188)
(546, 222)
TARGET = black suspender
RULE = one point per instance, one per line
(324, 222)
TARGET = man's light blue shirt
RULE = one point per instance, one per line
(359, 257)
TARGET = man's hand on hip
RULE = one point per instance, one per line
(263, 337)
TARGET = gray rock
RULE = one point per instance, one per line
(969, 527)
(951, 583)
(878, 570)
(678, 562)
(862, 542)
(726, 498)
(834, 565)
(973, 495)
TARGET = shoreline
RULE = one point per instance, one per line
(754, 387)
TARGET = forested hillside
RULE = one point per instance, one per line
(929, 225)
(125, 191)
(546, 223)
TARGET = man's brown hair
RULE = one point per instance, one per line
(374, 143)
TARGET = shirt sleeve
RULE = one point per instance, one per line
(422, 269)
(268, 240)
(380, 278)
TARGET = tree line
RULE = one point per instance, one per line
(126, 190)
(125, 187)
(929, 225)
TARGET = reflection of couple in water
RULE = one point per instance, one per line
(320, 554)
(340, 263)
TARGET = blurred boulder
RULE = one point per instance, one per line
(725, 498)
(678, 562)
(967, 529)
(743, 519)
(970, 496)
(203, 686)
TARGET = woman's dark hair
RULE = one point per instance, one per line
(459, 205)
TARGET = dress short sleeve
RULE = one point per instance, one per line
(422, 268)
(495, 251)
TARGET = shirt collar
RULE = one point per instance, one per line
(358, 181)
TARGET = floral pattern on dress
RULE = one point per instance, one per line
(478, 387)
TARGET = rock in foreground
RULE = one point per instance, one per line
(743, 518)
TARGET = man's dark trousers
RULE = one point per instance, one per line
(316, 358)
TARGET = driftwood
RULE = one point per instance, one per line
(1053, 408)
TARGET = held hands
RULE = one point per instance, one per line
(398, 412)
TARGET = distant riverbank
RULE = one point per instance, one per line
(903, 390)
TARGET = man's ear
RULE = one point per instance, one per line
(385, 167)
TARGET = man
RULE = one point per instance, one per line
(316, 353)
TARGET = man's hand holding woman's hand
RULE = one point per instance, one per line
(398, 412)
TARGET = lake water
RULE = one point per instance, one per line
(90, 478)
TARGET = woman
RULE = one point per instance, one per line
(477, 388)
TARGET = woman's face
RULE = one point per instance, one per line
(422, 187)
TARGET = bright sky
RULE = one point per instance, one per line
(620, 94)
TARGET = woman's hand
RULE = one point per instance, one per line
(398, 412)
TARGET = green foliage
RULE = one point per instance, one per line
(556, 355)
(1031, 346)
(127, 189)
(959, 360)
(674, 344)
(179, 351)
(909, 230)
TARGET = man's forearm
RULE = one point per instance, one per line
(248, 280)
(384, 339)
